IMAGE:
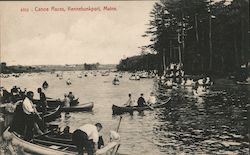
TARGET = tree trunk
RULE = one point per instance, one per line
(236, 53)
(182, 38)
(179, 47)
(170, 51)
(210, 44)
(164, 60)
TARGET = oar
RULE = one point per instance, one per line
(119, 124)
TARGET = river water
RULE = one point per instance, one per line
(212, 124)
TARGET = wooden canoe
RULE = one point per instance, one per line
(56, 102)
(49, 146)
(78, 108)
(115, 82)
(50, 115)
(120, 110)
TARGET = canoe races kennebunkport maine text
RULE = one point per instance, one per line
(68, 9)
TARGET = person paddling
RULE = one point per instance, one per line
(87, 137)
(141, 101)
(43, 100)
(130, 102)
(152, 99)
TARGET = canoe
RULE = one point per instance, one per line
(55, 103)
(43, 145)
(49, 116)
(52, 114)
(120, 110)
(116, 82)
(78, 108)
(242, 83)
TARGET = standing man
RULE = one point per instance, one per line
(30, 116)
(141, 101)
(43, 100)
(87, 137)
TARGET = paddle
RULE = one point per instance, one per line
(149, 106)
(115, 150)
(119, 124)
(42, 134)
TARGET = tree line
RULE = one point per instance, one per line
(205, 36)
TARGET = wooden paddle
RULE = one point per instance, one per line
(149, 106)
(119, 124)
(42, 134)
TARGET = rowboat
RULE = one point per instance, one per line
(47, 145)
(77, 108)
(120, 110)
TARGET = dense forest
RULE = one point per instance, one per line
(205, 36)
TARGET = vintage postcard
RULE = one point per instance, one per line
(124, 77)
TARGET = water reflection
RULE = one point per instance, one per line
(211, 124)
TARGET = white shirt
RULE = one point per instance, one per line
(200, 81)
(189, 82)
(28, 106)
(169, 83)
(130, 102)
(91, 131)
(67, 102)
(152, 99)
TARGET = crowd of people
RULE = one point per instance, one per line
(173, 77)
(28, 122)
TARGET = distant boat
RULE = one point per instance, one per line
(79, 76)
(45, 85)
(242, 83)
(68, 82)
(144, 75)
(105, 74)
(116, 82)
(134, 77)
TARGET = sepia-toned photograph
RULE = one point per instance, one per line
(132, 77)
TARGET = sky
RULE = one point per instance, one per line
(38, 37)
